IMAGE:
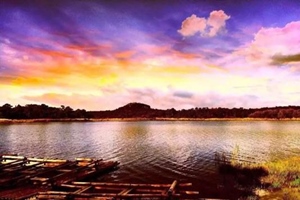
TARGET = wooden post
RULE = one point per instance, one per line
(171, 190)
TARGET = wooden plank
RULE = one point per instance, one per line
(12, 157)
(150, 190)
(37, 176)
(146, 195)
(64, 170)
(109, 188)
(103, 198)
(41, 179)
(95, 195)
(20, 169)
(120, 184)
(12, 181)
(82, 190)
(54, 193)
(84, 159)
(47, 160)
(28, 196)
(125, 191)
(189, 192)
(49, 196)
(80, 172)
(70, 185)
(50, 169)
(63, 174)
(102, 194)
(185, 184)
(12, 164)
(129, 184)
(86, 171)
(120, 196)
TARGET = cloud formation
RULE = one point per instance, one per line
(183, 94)
(277, 44)
(209, 27)
(192, 25)
(75, 54)
(216, 22)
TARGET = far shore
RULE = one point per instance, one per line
(7, 121)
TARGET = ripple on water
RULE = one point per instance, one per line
(155, 151)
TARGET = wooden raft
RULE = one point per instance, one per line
(21, 177)
(99, 190)
(17, 170)
(43, 178)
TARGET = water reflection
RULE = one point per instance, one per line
(154, 151)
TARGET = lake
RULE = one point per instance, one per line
(155, 151)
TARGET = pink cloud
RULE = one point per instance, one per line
(209, 27)
(270, 42)
(192, 25)
(217, 22)
(77, 101)
(172, 97)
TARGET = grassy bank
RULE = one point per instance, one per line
(284, 178)
(277, 179)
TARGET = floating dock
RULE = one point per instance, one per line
(44, 178)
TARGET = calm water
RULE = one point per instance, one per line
(153, 151)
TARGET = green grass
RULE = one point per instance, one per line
(283, 194)
(283, 176)
(283, 173)
(296, 183)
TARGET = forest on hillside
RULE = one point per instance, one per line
(139, 110)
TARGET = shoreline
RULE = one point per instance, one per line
(9, 121)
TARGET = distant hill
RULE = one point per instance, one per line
(131, 110)
(134, 107)
(140, 110)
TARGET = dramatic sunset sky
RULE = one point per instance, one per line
(99, 55)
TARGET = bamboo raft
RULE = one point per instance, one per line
(113, 191)
(17, 170)
(43, 178)
(25, 175)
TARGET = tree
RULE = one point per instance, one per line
(6, 110)
(296, 113)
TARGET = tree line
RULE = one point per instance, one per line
(139, 110)
(33, 111)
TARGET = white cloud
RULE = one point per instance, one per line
(209, 27)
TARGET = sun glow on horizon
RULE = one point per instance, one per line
(99, 59)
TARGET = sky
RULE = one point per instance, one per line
(100, 55)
